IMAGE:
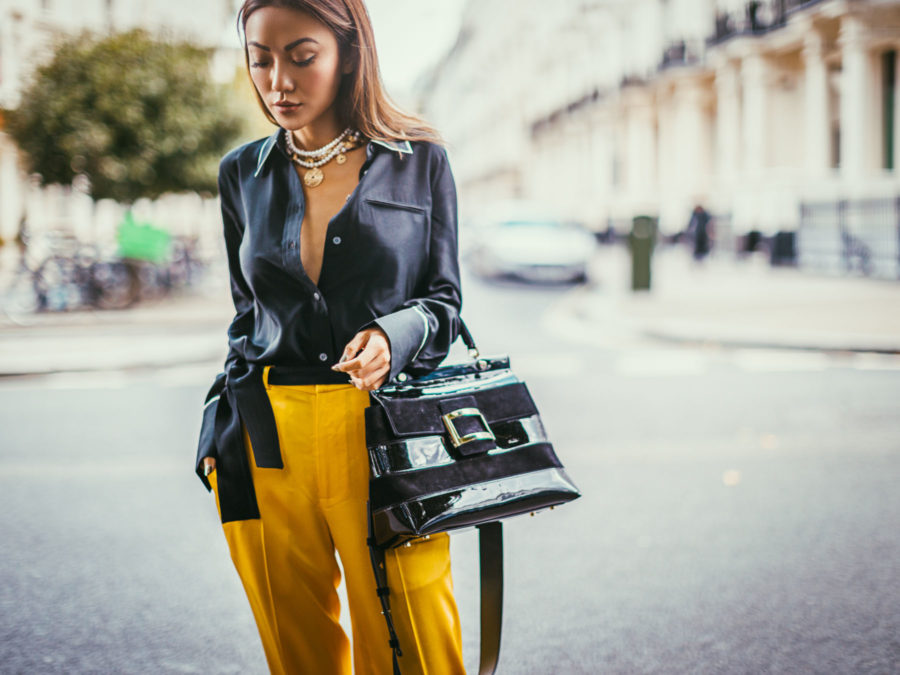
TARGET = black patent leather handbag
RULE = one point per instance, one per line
(462, 446)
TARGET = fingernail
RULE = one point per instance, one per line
(207, 470)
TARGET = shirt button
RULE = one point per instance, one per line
(316, 296)
(292, 244)
(336, 240)
(323, 356)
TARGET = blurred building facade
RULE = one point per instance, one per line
(28, 29)
(776, 116)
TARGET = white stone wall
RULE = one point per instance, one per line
(749, 128)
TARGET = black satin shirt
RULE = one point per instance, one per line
(390, 259)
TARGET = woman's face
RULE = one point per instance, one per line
(294, 64)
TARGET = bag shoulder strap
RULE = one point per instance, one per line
(490, 548)
(490, 553)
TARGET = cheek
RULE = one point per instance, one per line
(259, 81)
(321, 81)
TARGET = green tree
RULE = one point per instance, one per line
(137, 116)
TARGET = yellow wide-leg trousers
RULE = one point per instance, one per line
(286, 560)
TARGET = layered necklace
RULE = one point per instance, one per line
(313, 159)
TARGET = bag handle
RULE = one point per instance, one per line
(467, 339)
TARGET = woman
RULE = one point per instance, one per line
(340, 231)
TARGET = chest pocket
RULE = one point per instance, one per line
(395, 229)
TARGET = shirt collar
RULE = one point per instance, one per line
(265, 150)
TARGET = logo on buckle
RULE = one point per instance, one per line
(458, 440)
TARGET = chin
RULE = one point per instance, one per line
(291, 122)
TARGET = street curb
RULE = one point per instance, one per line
(155, 365)
(746, 343)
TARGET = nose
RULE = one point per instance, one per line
(281, 76)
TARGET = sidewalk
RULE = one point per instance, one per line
(723, 301)
(184, 328)
(743, 303)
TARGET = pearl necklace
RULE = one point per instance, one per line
(313, 153)
(321, 156)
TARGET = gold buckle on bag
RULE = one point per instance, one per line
(458, 440)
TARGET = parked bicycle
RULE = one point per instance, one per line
(84, 277)
(59, 273)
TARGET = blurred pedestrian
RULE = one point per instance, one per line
(341, 235)
(698, 232)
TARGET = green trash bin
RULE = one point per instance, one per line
(641, 241)
(142, 241)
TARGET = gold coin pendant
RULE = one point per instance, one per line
(341, 158)
(313, 177)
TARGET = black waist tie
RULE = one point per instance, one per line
(244, 398)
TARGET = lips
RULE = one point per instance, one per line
(286, 105)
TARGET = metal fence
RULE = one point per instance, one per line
(854, 236)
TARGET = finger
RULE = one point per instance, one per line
(375, 378)
(375, 350)
(209, 465)
(355, 345)
(363, 359)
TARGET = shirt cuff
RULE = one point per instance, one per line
(207, 445)
(407, 332)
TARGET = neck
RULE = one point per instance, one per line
(317, 133)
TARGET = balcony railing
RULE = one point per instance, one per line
(855, 236)
(679, 54)
(757, 18)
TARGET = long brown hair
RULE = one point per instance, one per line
(361, 100)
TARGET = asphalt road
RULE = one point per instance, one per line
(740, 514)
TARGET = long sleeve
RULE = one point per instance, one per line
(242, 325)
(422, 330)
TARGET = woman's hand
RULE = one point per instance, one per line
(209, 465)
(369, 369)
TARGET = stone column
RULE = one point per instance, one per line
(854, 98)
(728, 123)
(692, 141)
(640, 151)
(816, 119)
(755, 141)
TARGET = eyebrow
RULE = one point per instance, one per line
(288, 47)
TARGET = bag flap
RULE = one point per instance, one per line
(422, 416)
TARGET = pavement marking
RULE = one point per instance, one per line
(115, 379)
(778, 361)
(876, 361)
(632, 361)
(185, 375)
(546, 365)
(596, 324)
(661, 362)
(90, 468)
(190, 375)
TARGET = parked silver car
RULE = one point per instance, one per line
(525, 241)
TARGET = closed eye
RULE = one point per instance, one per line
(307, 62)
